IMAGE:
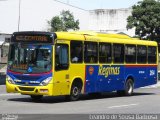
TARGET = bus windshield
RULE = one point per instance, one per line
(28, 59)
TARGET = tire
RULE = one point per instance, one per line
(129, 86)
(74, 93)
(128, 90)
(36, 97)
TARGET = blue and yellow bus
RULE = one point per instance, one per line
(74, 63)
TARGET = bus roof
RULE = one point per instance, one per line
(102, 37)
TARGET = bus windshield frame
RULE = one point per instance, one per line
(30, 58)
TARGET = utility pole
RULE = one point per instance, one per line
(19, 14)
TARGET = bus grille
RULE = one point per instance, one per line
(26, 89)
(34, 78)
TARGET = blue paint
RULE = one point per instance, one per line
(32, 80)
(113, 77)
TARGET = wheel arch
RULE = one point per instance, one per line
(129, 77)
(77, 80)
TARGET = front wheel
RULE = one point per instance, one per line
(75, 92)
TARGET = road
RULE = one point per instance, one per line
(144, 100)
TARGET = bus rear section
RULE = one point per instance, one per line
(123, 68)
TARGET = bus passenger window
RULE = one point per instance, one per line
(61, 57)
(76, 52)
(152, 54)
(105, 53)
(118, 52)
(130, 54)
(141, 54)
(90, 52)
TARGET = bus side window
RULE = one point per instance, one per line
(130, 53)
(61, 57)
(152, 54)
(90, 52)
(118, 53)
(141, 54)
(76, 52)
(105, 53)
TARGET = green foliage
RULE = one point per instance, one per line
(145, 19)
(64, 22)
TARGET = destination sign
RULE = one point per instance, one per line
(33, 37)
(30, 38)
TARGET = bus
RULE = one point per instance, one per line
(74, 63)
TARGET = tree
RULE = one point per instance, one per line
(145, 19)
(64, 22)
(56, 24)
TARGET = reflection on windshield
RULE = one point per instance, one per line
(30, 58)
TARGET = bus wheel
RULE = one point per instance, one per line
(75, 92)
(36, 97)
(128, 90)
(129, 86)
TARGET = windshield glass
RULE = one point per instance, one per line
(30, 58)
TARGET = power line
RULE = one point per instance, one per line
(70, 4)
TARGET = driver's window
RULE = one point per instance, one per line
(61, 57)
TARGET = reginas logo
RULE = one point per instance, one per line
(106, 71)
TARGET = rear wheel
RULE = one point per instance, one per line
(36, 97)
(129, 87)
(128, 91)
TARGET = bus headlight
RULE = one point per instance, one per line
(10, 80)
(46, 81)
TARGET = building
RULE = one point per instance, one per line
(110, 20)
(4, 46)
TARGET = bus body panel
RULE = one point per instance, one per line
(63, 79)
(106, 78)
(102, 78)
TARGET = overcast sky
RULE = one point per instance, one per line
(101, 4)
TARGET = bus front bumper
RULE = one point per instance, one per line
(30, 90)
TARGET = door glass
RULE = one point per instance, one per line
(61, 57)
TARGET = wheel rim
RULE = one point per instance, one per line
(129, 87)
(75, 91)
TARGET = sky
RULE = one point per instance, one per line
(35, 13)
(101, 4)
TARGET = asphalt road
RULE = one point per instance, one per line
(144, 100)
